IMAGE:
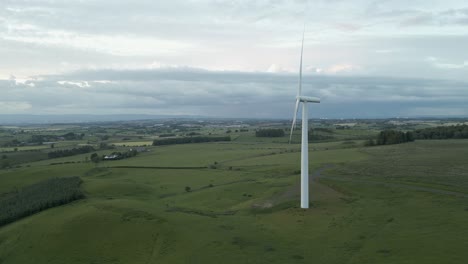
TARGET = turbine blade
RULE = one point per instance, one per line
(294, 120)
(299, 92)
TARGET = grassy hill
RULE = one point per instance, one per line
(389, 204)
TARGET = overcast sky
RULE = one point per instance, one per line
(234, 58)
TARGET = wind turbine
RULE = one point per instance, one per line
(305, 129)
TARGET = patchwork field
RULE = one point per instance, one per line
(405, 203)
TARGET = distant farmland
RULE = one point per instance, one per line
(239, 200)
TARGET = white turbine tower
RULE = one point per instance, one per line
(305, 140)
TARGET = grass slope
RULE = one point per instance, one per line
(245, 211)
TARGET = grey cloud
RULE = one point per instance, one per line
(441, 18)
(63, 41)
(196, 20)
(419, 19)
(448, 65)
(228, 94)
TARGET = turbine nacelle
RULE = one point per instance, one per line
(307, 99)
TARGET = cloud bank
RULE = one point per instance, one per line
(189, 91)
(233, 58)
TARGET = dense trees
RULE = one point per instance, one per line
(442, 132)
(389, 137)
(269, 132)
(70, 152)
(38, 197)
(186, 140)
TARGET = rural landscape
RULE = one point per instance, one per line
(233, 132)
(210, 191)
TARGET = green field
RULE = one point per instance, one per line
(25, 148)
(404, 203)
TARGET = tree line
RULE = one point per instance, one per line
(39, 139)
(70, 152)
(167, 135)
(38, 197)
(390, 136)
(314, 134)
(187, 140)
(442, 132)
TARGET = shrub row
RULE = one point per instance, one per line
(70, 152)
(187, 140)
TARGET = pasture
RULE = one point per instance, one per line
(404, 203)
